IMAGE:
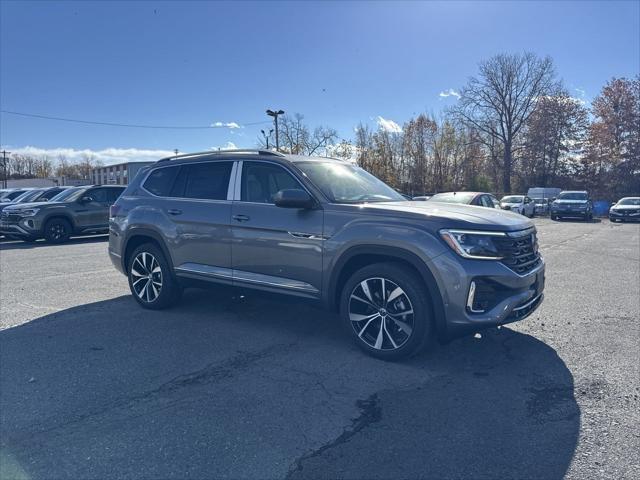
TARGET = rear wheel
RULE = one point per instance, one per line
(387, 311)
(151, 280)
(57, 230)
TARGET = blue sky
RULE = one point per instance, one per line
(166, 63)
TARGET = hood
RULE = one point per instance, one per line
(452, 215)
(20, 206)
(570, 202)
(625, 207)
(511, 203)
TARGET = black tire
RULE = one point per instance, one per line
(554, 217)
(414, 298)
(57, 230)
(162, 290)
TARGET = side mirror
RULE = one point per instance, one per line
(86, 199)
(293, 198)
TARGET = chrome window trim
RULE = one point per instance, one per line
(232, 181)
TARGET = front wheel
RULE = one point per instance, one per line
(151, 281)
(387, 311)
(57, 230)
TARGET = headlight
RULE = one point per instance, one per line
(29, 212)
(473, 244)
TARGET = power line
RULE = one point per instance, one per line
(127, 125)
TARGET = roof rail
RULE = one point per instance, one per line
(223, 152)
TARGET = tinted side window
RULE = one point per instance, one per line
(260, 182)
(49, 194)
(486, 201)
(209, 180)
(113, 194)
(99, 195)
(160, 181)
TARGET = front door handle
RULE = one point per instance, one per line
(174, 211)
(241, 218)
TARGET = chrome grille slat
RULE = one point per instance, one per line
(518, 252)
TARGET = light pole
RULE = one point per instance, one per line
(275, 114)
(266, 137)
(4, 168)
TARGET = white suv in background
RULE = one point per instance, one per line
(521, 204)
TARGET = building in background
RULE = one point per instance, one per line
(119, 174)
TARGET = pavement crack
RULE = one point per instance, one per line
(210, 374)
(370, 413)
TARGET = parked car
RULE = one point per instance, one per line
(34, 195)
(478, 199)
(400, 273)
(572, 204)
(74, 211)
(521, 204)
(422, 198)
(8, 194)
(541, 206)
(627, 209)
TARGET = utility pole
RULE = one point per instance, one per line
(4, 168)
(175, 151)
(266, 137)
(275, 114)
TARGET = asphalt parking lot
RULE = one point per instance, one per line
(238, 385)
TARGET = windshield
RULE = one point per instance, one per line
(27, 196)
(630, 201)
(453, 197)
(572, 196)
(11, 195)
(346, 183)
(69, 195)
(513, 199)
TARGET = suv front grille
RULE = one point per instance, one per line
(519, 250)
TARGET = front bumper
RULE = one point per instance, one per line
(516, 296)
(624, 216)
(25, 227)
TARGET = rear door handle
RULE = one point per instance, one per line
(241, 218)
(174, 211)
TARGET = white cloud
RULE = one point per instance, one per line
(108, 156)
(581, 92)
(388, 125)
(227, 146)
(226, 124)
(449, 93)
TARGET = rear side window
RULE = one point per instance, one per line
(160, 181)
(207, 181)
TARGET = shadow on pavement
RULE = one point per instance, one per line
(11, 244)
(225, 386)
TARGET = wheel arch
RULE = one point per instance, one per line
(359, 256)
(59, 215)
(140, 236)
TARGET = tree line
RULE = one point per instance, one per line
(514, 126)
(20, 166)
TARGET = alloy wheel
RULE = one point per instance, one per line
(146, 277)
(381, 313)
(57, 231)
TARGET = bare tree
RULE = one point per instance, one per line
(501, 99)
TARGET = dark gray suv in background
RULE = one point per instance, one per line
(73, 211)
(399, 272)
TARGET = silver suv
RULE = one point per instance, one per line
(399, 272)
